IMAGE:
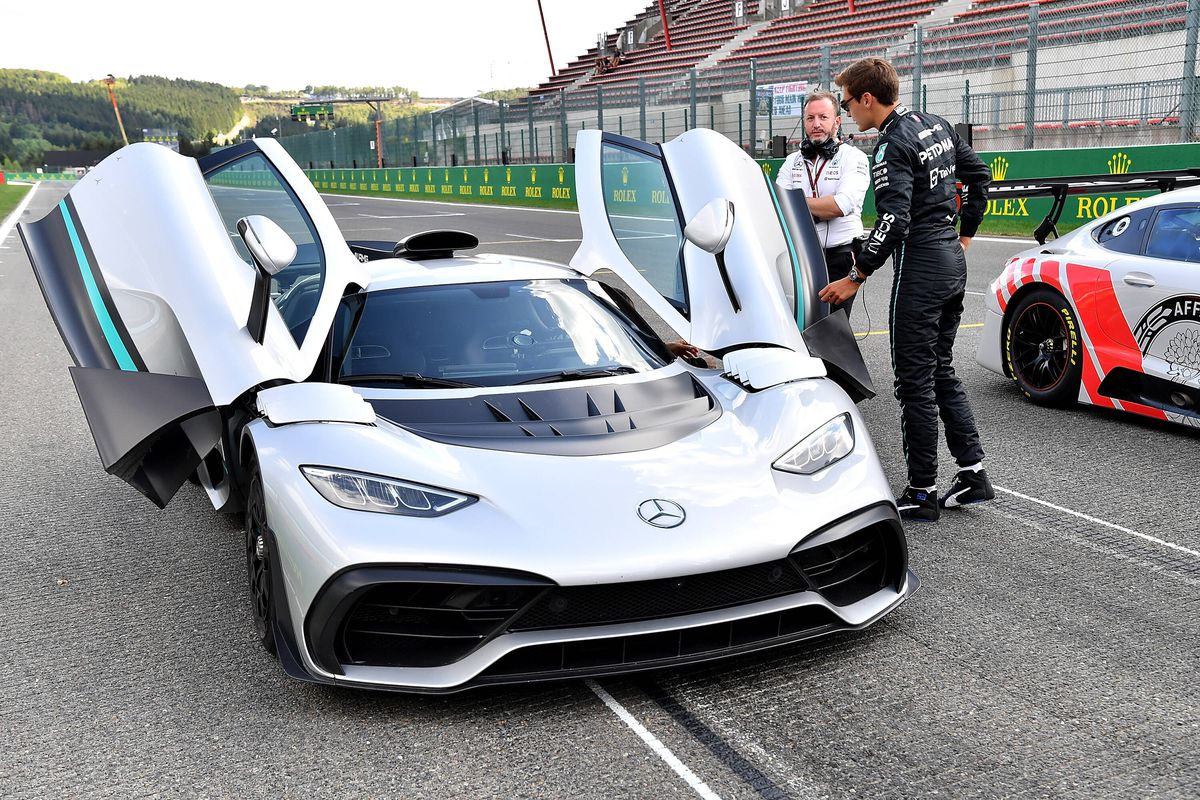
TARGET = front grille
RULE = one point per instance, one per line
(846, 570)
(425, 624)
(574, 606)
(640, 651)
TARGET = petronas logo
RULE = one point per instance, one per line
(1119, 164)
(999, 168)
(561, 174)
(624, 175)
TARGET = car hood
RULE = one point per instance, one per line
(574, 519)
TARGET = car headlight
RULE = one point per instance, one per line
(827, 445)
(361, 492)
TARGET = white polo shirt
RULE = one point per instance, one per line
(845, 177)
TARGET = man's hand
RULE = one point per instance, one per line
(839, 291)
(964, 242)
(682, 349)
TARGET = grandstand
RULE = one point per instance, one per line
(1056, 73)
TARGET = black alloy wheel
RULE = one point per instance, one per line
(258, 563)
(1042, 348)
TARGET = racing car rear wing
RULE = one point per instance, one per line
(1061, 188)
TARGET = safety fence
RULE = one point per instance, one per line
(1059, 73)
(553, 185)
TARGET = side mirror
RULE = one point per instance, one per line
(712, 226)
(272, 250)
(268, 243)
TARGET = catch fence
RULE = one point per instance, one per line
(1054, 74)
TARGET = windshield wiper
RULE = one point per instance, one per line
(414, 379)
(580, 375)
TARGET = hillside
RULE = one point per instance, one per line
(42, 111)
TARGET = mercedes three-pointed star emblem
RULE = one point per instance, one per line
(662, 513)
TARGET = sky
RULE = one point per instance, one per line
(444, 48)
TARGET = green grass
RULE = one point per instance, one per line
(10, 196)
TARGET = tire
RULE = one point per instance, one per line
(259, 567)
(1043, 350)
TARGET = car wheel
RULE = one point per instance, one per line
(258, 562)
(1042, 346)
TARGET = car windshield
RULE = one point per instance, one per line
(490, 334)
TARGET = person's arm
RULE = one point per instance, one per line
(824, 208)
(975, 177)
(893, 178)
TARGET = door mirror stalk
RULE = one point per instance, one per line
(272, 250)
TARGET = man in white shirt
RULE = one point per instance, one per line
(834, 178)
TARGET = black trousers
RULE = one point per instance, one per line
(838, 261)
(926, 306)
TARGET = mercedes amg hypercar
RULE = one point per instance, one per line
(1108, 315)
(459, 469)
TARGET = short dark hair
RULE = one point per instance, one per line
(821, 94)
(873, 75)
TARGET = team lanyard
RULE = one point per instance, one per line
(812, 180)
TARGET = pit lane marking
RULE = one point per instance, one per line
(652, 741)
(1097, 521)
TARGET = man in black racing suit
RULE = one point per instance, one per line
(918, 160)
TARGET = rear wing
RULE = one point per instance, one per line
(1061, 188)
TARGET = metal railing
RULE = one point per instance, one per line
(1067, 74)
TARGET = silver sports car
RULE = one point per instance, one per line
(458, 469)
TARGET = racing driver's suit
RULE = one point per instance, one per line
(917, 161)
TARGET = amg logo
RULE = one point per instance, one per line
(934, 150)
(925, 134)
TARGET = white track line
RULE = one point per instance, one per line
(10, 223)
(660, 749)
(413, 216)
(1099, 521)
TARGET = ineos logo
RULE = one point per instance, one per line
(662, 513)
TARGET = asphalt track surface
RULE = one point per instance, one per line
(1047, 654)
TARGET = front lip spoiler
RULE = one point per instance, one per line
(856, 616)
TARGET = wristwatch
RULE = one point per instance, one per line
(857, 276)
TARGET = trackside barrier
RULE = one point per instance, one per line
(553, 185)
(36, 176)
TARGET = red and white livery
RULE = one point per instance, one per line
(1108, 315)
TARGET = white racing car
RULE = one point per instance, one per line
(459, 469)
(1107, 315)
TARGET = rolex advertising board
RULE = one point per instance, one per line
(553, 185)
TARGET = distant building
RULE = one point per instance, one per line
(77, 161)
(161, 136)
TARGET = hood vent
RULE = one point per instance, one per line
(569, 420)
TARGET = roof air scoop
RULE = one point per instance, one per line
(434, 244)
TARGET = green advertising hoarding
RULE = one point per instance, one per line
(1015, 164)
(536, 185)
(553, 185)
